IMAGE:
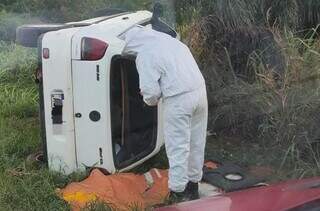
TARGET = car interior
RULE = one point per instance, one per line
(133, 123)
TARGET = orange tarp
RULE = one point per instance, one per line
(121, 191)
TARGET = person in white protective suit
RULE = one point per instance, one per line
(168, 70)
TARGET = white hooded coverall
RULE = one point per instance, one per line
(168, 70)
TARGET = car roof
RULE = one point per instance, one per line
(97, 19)
(116, 24)
(128, 16)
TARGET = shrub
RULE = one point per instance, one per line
(271, 111)
(17, 64)
(69, 10)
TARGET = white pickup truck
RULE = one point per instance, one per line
(91, 112)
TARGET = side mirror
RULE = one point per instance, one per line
(157, 11)
(159, 25)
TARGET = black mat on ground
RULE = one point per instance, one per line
(230, 177)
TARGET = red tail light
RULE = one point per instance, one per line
(46, 53)
(92, 49)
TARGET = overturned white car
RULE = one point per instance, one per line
(92, 114)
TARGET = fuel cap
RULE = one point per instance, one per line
(95, 116)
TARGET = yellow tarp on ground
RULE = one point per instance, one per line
(121, 191)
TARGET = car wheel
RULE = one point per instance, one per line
(35, 160)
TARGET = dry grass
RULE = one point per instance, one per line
(263, 86)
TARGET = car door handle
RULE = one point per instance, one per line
(78, 115)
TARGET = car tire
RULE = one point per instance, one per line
(27, 35)
(35, 160)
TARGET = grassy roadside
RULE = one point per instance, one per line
(32, 187)
(285, 140)
(22, 187)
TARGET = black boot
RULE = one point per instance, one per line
(192, 190)
(177, 197)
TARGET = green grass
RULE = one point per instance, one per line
(22, 186)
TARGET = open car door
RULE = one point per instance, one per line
(115, 130)
(136, 128)
(128, 133)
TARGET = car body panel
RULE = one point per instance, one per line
(109, 30)
(79, 142)
(57, 76)
(278, 197)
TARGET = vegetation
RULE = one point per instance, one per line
(262, 77)
(68, 10)
(261, 61)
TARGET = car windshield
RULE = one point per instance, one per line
(261, 63)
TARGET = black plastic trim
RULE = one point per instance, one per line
(41, 101)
